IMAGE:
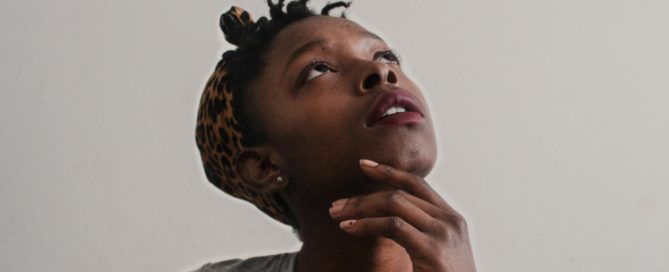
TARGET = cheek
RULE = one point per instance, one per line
(316, 145)
(312, 122)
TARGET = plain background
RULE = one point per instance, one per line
(552, 119)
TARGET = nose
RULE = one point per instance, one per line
(377, 73)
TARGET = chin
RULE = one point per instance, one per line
(416, 159)
(412, 148)
(417, 162)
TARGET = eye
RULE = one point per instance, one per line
(316, 69)
(388, 57)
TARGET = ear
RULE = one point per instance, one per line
(258, 168)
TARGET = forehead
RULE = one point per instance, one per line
(318, 26)
(324, 28)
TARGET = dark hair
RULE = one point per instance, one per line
(245, 63)
(226, 125)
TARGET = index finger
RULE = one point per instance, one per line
(402, 180)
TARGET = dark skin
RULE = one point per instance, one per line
(355, 214)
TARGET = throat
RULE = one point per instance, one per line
(335, 250)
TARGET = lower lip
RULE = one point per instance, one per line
(401, 118)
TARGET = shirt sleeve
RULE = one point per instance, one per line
(273, 263)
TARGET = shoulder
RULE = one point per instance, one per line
(271, 263)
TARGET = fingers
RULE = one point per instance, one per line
(391, 227)
(414, 216)
(402, 180)
(413, 210)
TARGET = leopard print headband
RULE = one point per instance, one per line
(217, 133)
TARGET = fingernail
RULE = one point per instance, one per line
(337, 206)
(368, 163)
(346, 224)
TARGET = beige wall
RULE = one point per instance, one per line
(552, 121)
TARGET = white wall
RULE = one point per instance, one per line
(552, 121)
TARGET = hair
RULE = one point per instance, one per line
(244, 64)
(226, 124)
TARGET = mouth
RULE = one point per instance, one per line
(396, 107)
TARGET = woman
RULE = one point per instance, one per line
(312, 120)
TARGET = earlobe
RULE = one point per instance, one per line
(256, 168)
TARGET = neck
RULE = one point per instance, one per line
(328, 248)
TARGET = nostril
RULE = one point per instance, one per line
(371, 80)
(392, 78)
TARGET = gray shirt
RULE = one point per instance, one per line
(273, 263)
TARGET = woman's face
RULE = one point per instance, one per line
(325, 85)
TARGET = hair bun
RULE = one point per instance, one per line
(234, 24)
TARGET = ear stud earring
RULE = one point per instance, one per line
(279, 179)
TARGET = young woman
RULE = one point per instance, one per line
(312, 120)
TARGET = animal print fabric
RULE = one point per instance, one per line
(217, 133)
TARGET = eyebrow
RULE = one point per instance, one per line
(303, 49)
(373, 36)
(320, 42)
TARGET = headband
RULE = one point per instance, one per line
(218, 135)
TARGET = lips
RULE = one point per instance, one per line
(387, 109)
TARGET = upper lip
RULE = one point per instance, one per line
(396, 97)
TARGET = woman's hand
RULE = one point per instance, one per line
(413, 215)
